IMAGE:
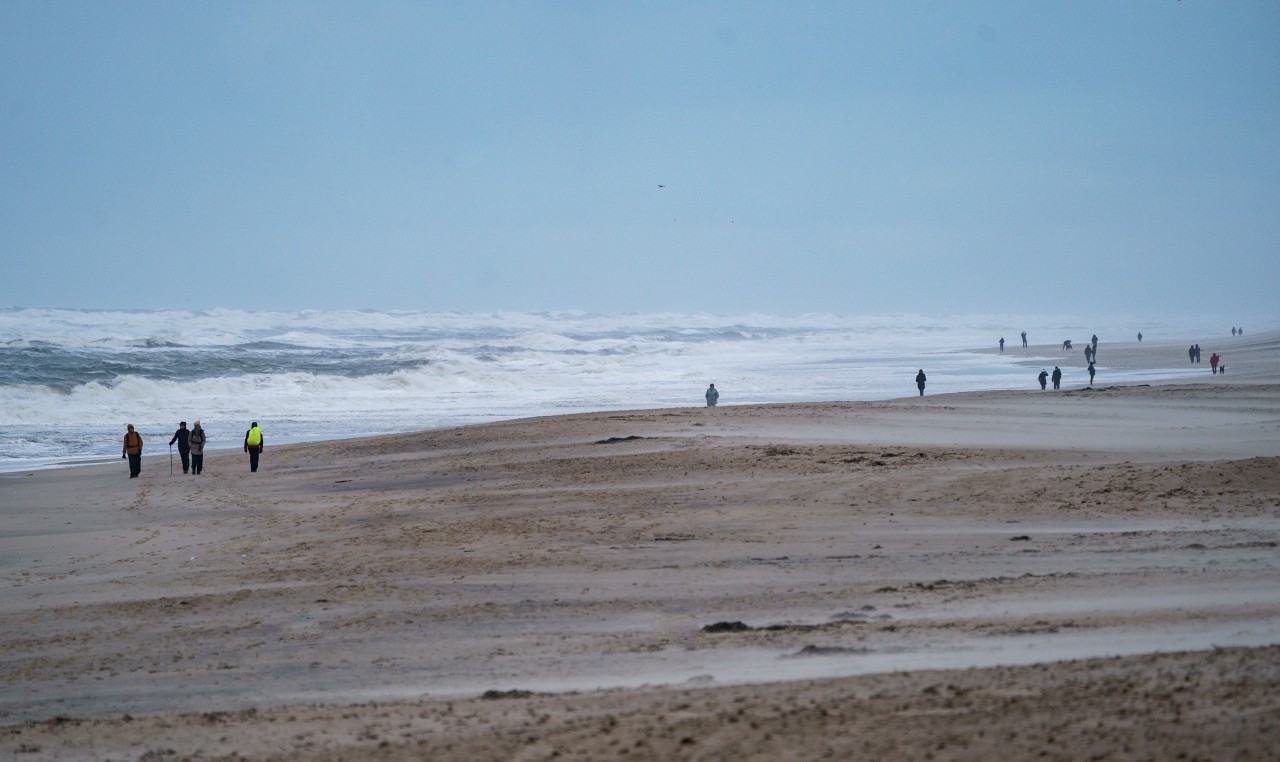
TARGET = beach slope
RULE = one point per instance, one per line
(1085, 574)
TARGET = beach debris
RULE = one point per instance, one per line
(1020, 538)
(727, 627)
(494, 695)
(611, 440)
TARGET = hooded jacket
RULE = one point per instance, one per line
(132, 442)
(197, 440)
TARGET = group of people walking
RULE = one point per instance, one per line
(191, 444)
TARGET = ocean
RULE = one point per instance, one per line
(71, 379)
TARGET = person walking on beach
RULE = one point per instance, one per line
(1043, 378)
(920, 379)
(1088, 353)
(133, 451)
(1197, 353)
(1024, 339)
(1139, 337)
(253, 445)
(1191, 353)
(1213, 363)
(1091, 372)
(1001, 345)
(197, 440)
(1057, 377)
(713, 396)
(183, 437)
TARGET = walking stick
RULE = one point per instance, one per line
(171, 459)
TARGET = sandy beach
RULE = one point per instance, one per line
(1092, 573)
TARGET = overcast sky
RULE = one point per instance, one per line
(846, 157)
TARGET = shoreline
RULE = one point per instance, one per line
(1126, 364)
(867, 543)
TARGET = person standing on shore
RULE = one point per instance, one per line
(1091, 372)
(920, 379)
(1024, 339)
(1213, 363)
(253, 445)
(1043, 378)
(1001, 345)
(183, 437)
(1139, 337)
(133, 451)
(197, 440)
(1057, 377)
(713, 396)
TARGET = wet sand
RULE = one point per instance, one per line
(1090, 573)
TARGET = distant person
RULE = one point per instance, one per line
(197, 440)
(1001, 345)
(713, 396)
(1197, 353)
(133, 451)
(1088, 353)
(1057, 377)
(1043, 378)
(1091, 372)
(253, 445)
(1213, 363)
(1139, 337)
(183, 437)
(1093, 354)
(920, 379)
(1024, 339)
(1233, 330)
(1066, 344)
(1191, 353)
(1241, 331)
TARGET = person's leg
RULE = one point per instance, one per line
(135, 465)
(197, 463)
(253, 458)
(185, 456)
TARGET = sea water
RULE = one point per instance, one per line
(71, 379)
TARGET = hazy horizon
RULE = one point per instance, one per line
(728, 158)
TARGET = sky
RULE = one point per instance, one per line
(726, 157)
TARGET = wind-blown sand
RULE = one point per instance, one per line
(1085, 574)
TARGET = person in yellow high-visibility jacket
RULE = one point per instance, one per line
(253, 444)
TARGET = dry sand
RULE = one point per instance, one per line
(1088, 574)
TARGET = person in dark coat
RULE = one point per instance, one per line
(1091, 372)
(183, 437)
(1043, 378)
(1057, 377)
(920, 379)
